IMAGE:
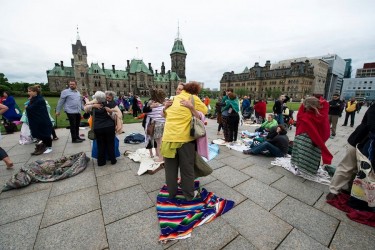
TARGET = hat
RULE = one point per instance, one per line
(335, 94)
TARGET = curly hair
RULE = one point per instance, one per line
(192, 88)
(157, 95)
(35, 88)
(232, 95)
(312, 104)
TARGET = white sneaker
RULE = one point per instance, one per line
(48, 150)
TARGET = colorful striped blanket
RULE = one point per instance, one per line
(178, 217)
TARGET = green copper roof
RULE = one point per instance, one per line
(138, 66)
(95, 66)
(58, 71)
(165, 77)
(246, 70)
(178, 47)
(117, 75)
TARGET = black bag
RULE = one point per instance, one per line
(201, 168)
(10, 127)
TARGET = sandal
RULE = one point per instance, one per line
(10, 165)
(55, 139)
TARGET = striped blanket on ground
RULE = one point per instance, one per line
(178, 217)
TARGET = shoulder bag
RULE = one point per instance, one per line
(91, 134)
(197, 128)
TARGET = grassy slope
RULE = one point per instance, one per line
(128, 118)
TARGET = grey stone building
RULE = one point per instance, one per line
(295, 80)
(136, 77)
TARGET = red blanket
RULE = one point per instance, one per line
(363, 217)
(317, 128)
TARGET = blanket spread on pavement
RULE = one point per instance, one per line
(178, 217)
(48, 170)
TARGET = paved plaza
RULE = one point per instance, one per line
(111, 207)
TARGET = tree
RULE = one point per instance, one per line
(276, 93)
(269, 92)
(4, 80)
(241, 92)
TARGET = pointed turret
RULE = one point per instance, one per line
(178, 57)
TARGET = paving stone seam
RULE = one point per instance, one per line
(42, 218)
(122, 189)
(76, 216)
(286, 236)
(334, 234)
(100, 205)
(37, 190)
(153, 206)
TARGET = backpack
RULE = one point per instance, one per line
(134, 138)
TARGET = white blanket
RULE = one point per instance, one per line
(321, 177)
(142, 155)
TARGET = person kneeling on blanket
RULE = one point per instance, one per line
(277, 145)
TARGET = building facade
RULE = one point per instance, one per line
(361, 88)
(294, 80)
(320, 72)
(368, 70)
(335, 75)
(136, 77)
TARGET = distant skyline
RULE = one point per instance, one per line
(218, 36)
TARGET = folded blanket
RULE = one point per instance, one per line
(48, 171)
(178, 217)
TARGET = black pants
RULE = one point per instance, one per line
(3, 154)
(47, 141)
(105, 139)
(74, 121)
(184, 160)
(219, 127)
(233, 121)
(54, 133)
(352, 116)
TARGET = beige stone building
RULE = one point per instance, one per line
(320, 71)
(136, 77)
(295, 80)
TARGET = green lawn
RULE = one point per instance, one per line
(292, 106)
(62, 119)
(128, 118)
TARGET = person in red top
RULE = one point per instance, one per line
(312, 131)
(261, 108)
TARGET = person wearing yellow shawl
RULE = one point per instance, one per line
(178, 147)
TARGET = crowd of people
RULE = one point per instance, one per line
(167, 125)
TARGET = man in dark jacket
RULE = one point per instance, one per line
(278, 109)
(335, 111)
(348, 165)
(277, 145)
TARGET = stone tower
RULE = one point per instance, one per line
(178, 58)
(79, 62)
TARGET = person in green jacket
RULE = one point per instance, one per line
(268, 124)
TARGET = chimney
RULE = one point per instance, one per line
(127, 63)
(113, 68)
(103, 66)
(256, 64)
(72, 61)
(162, 68)
(156, 72)
(62, 65)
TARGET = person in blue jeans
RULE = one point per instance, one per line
(277, 145)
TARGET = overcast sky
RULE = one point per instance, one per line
(218, 36)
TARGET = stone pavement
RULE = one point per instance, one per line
(111, 207)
